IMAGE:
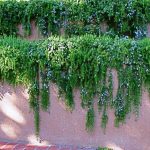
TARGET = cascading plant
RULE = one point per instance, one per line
(83, 62)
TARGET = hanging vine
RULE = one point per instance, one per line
(75, 17)
(84, 62)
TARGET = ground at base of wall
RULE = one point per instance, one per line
(21, 146)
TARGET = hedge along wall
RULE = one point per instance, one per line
(77, 17)
(79, 62)
(85, 62)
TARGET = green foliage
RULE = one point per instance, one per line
(14, 60)
(45, 96)
(90, 117)
(34, 93)
(84, 62)
(44, 90)
(104, 148)
(77, 17)
(37, 121)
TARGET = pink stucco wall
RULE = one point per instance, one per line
(62, 127)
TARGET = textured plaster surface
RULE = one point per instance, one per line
(60, 126)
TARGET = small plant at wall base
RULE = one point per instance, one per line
(100, 148)
(83, 62)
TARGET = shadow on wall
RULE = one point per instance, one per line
(16, 123)
(62, 127)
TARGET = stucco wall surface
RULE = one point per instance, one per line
(62, 127)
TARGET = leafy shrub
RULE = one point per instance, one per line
(84, 62)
